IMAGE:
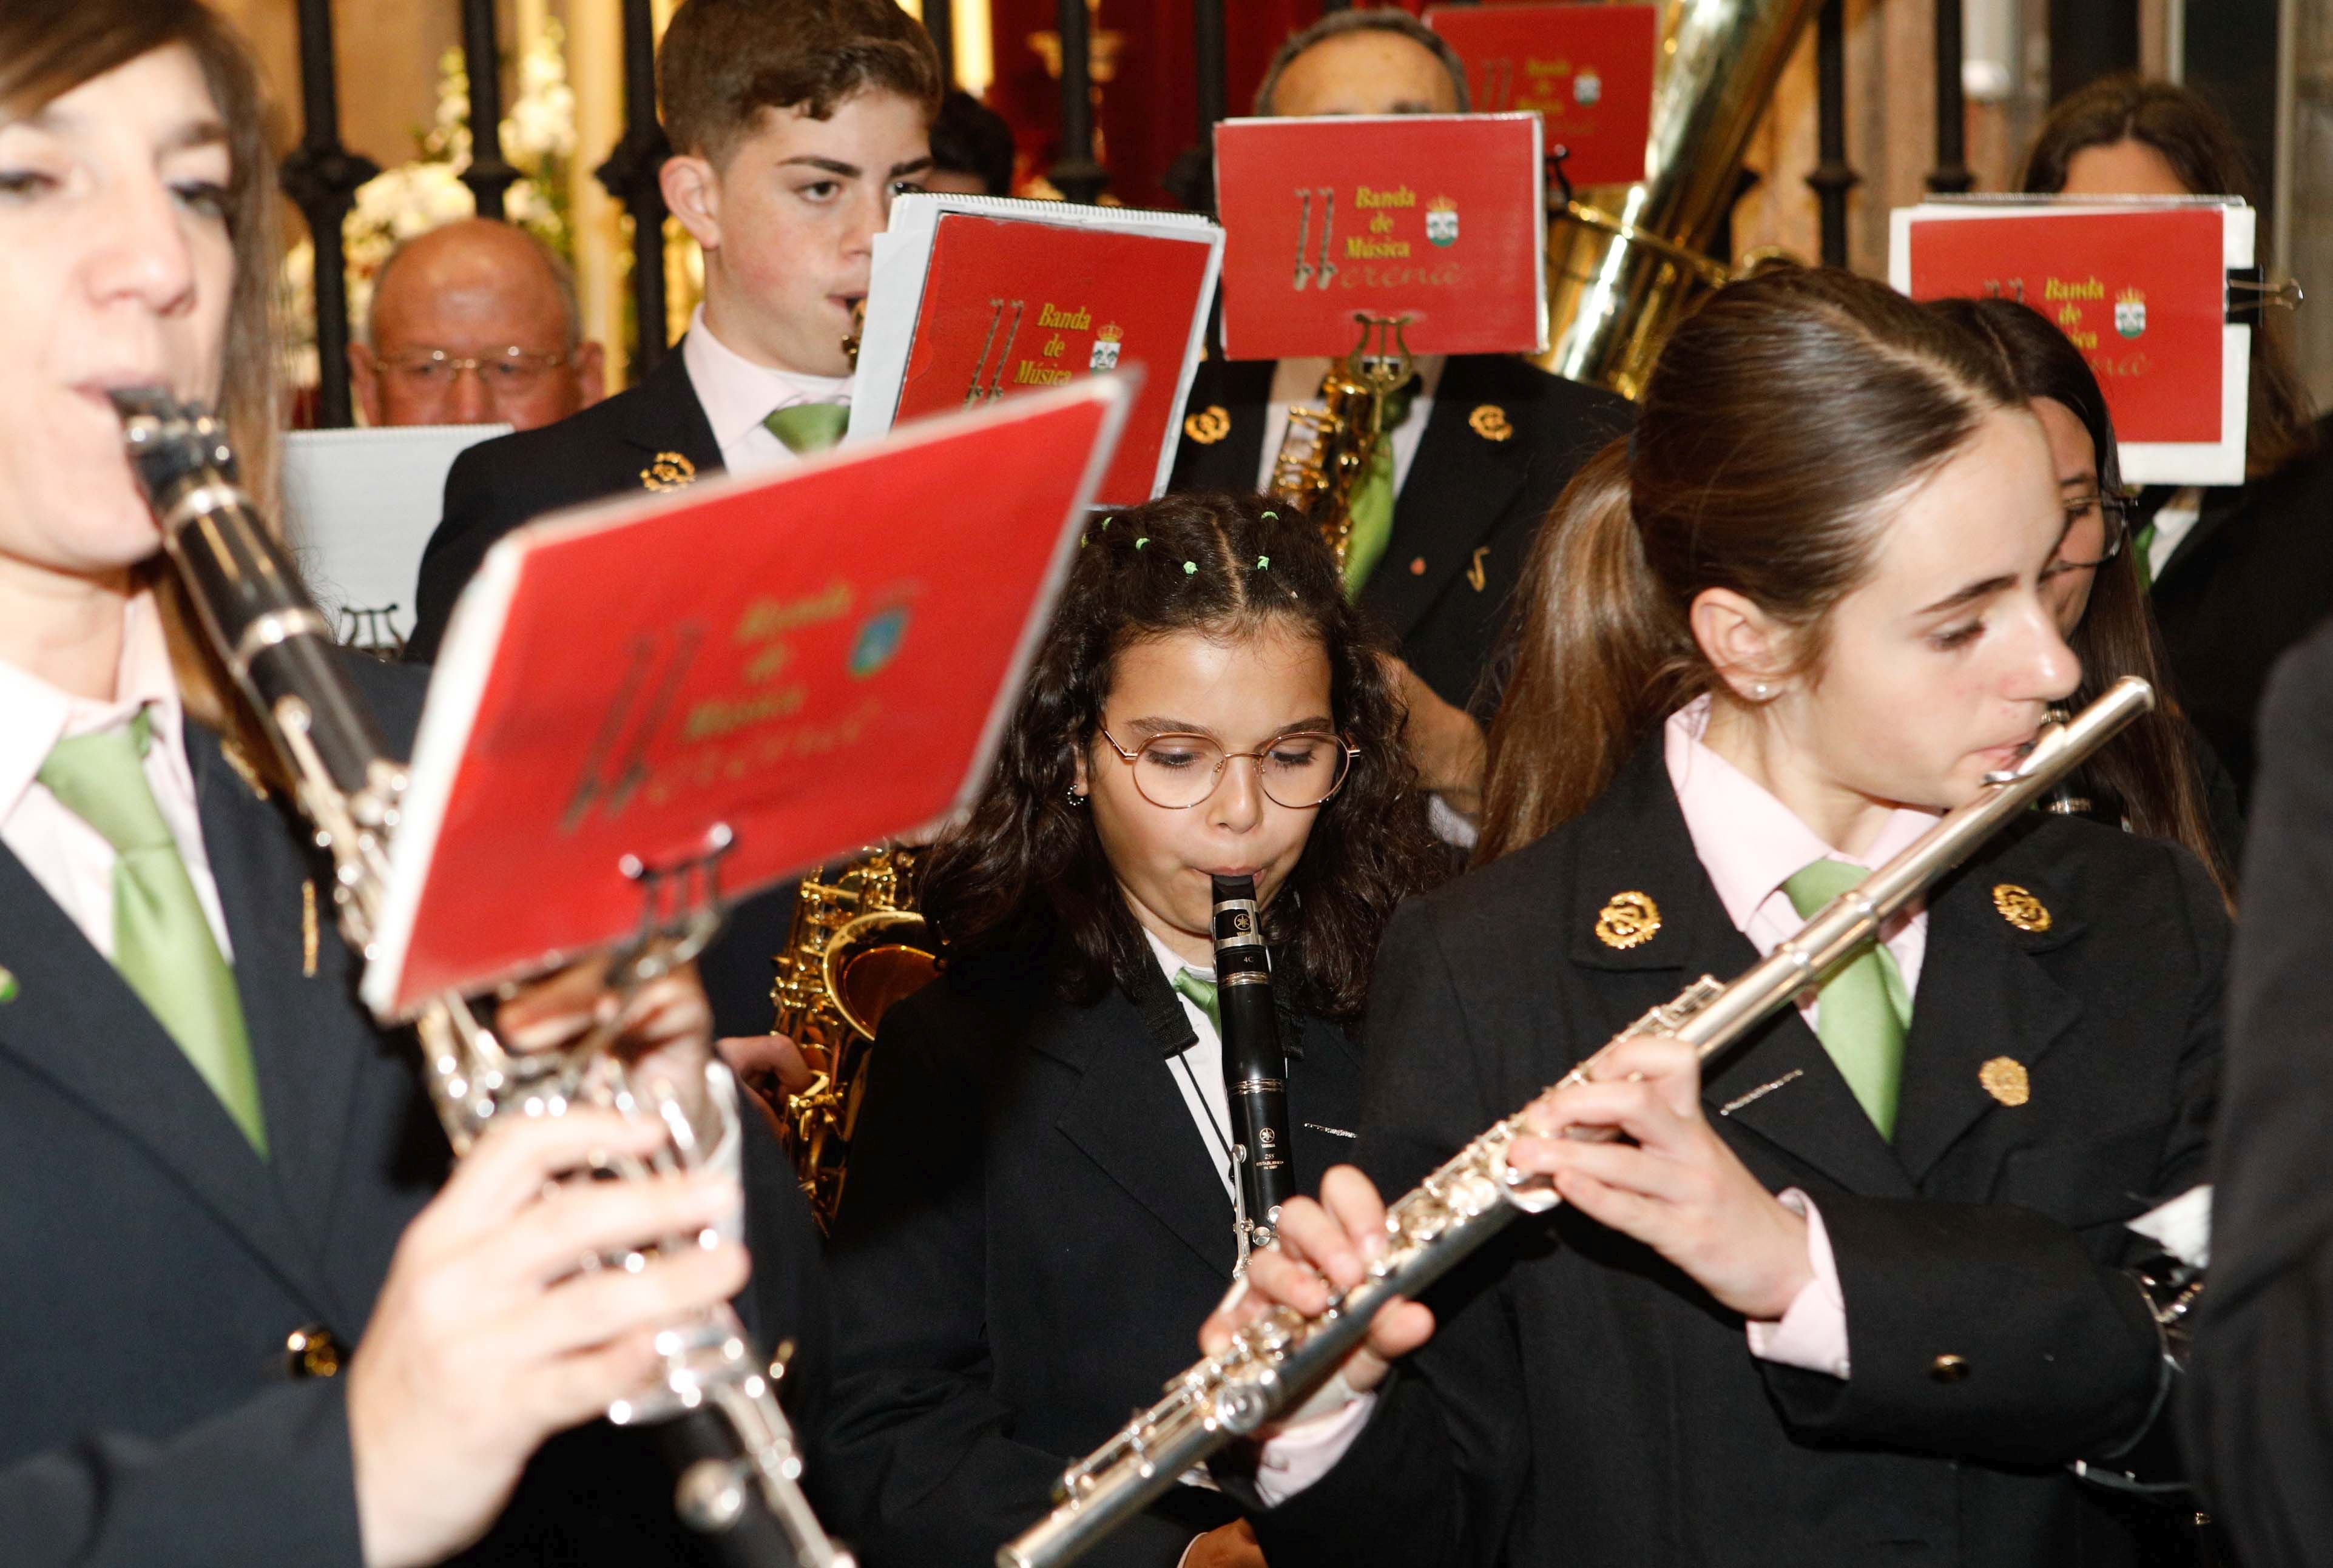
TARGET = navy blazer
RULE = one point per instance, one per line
(152, 1265)
(1501, 441)
(1032, 1230)
(1585, 1403)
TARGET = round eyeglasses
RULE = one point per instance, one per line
(511, 369)
(1179, 772)
(2114, 523)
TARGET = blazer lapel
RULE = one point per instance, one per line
(76, 1022)
(670, 417)
(1222, 444)
(297, 1010)
(1984, 998)
(1777, 1082)
(1459, 486)
(1128, 1116)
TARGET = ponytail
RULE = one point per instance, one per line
(1602, 658)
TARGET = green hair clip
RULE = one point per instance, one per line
(1263, 563)
(1140, 542)
(1190, 569)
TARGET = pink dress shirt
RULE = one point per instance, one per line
(67, 856)
(738, 395)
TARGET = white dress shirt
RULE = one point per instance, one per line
(67, 856)
(2174, 522)
(1298, 382)
(738, 395)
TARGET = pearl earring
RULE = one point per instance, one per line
(1762, 691)
(1076, 798)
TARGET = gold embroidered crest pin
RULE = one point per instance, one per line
(1491, 423)
(2006, 1080)
(1209, 424)
(1627, 919)
(670, 470)
(2019, 908)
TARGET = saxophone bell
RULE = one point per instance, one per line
(856, 946)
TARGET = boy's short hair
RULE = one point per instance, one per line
(722, 62)
(970, 138)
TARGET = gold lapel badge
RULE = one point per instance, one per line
(1209, 424)
(7, 985)
(1627, 919)
(2019, 908)
(2006, 1080)
(1491, 423)
(670, 470)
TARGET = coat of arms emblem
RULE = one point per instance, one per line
(1442, 221)
(1105, 349)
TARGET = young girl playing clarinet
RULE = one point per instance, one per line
(1040, 1201)
(1856, 1291)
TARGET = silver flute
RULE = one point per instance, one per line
(718, 1410)
(1274, 1363)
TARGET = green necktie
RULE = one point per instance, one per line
(1371, 506)
(162, 944)
(1865, 1010)
(1190, 983)
(809, 427)
(2142, 547)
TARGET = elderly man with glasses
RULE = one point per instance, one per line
(475, 323)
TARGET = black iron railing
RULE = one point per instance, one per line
(321, 175)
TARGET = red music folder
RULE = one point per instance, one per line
(2141, 288)
(1586, 70)
(976, 299)
(1440, 219)
(800, 665)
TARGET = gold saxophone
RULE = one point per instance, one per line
(1327, 448)
(857, 945)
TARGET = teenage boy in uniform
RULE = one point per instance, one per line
(793, 123)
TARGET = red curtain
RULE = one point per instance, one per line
(1149, 112)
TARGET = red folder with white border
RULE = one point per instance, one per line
(2140, 285)
(1439, 220)
(976, 298)
(800, 665)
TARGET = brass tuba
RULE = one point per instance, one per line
(1622, 272)
(1328, 446)
(856, 946)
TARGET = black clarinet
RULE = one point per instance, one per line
(1255, 1069)
(715, 1410)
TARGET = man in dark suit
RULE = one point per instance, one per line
(784, 197)
(2264, 1358)
(1483, 445)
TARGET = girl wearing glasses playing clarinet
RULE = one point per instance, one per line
(1862, 1288)
(1041, 1200)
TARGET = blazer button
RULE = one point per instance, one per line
(1948, 1369)
(312, 1352)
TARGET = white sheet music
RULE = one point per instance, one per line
(359, 506)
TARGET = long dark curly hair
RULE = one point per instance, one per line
(1024, 873)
